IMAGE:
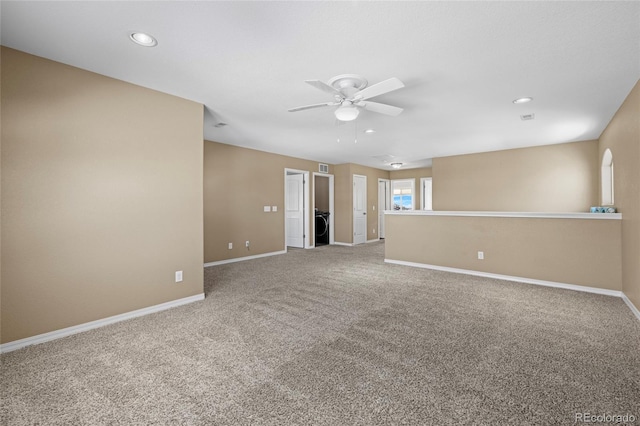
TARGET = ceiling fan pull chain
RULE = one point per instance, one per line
(356, 132)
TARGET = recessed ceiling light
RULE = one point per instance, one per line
(143, 39)
(522, 100)
(369, 131)
(396, 165)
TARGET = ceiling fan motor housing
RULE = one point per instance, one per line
(348, 83)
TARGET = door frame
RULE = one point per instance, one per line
(366, 219)
(331, 205)
(387, 206)
(305, 208)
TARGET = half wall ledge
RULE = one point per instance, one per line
(580, 249)
(547, 215)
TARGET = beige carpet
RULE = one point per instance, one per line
(333, 336)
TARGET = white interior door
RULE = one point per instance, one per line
(294, 210)
(384, 203)
(359, 209)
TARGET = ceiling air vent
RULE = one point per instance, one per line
(526, 117)
(324, 168)
(385, 158)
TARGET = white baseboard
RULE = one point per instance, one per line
(353, 245)
(241, 259)
(575, 287)
(631, 306)
(58, 334)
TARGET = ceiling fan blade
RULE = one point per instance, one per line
(380, 108)
(302, 108)
(324, 87)
(379, 89)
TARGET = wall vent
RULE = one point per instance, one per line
(324, 168)
(527, 117)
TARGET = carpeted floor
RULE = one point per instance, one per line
(333, 336)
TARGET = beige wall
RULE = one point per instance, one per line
(0, 198)
(571, 251)
(622, 136)
(343, 206)
(344, 200)
(101, 196)
(238, 183)
(559, 178)
(414, 174)
(321, 192)
(372, 196)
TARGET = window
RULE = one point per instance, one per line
(403, 194)
(426, 190)
(606, 176)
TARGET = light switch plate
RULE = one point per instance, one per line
(267, 208)
(274, 208)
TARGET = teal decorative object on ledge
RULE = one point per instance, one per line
(603, 209)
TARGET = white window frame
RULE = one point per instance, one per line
(394, 182)
(606, 178)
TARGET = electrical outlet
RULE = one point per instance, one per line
(480, 255)
(274, 208)
(246, 244)
(178, 276)
(230, 246)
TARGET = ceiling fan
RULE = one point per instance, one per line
(350, 92)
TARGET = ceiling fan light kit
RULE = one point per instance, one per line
(347, 113)
(350, 93)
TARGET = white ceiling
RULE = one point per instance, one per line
(462, 64)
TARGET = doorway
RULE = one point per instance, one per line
(296, 208)
(359, 209)
(323, 191)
